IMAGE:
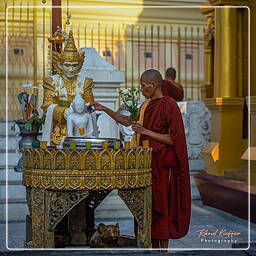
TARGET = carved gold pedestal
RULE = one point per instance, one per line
(58, 180)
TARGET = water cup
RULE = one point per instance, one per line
(88, 145)
(35, 144)
(105, 144)
(90, 109)
(72, 144)
(127, 144)
(117, 144)
(145, 143)
(43, 144)
(81, 131)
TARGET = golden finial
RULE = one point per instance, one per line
(70, 46)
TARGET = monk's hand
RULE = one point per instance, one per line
(96, 106)
(139, 128)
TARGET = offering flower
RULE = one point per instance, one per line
(130, 98)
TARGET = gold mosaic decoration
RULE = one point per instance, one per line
(87, 169)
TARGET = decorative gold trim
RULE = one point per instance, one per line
(87, 169)
(110, 181)
(231, 103)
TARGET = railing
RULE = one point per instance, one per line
(136, 47)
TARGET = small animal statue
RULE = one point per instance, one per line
(106, 236)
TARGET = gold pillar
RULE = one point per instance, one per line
(208, 72)
(227, 102)
(225, 52)
(207, 88)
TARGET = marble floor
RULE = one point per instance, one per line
(210, 229)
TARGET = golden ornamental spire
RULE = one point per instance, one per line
(70, 46)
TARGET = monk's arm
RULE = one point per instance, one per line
(122, 119)
(163, 138)
(175, 90)
(178, 92)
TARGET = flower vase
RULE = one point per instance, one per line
(27, 137)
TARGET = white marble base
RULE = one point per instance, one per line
(17, 211)
(196, 164)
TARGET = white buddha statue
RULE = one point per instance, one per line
(79, 122)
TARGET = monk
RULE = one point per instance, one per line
(170, 87)
(162, 125)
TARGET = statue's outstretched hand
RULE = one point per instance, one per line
(96, 106)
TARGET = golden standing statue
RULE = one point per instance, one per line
(60, 90)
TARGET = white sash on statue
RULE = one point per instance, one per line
(48, 124)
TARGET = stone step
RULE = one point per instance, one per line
(3, 151)
(13, 159)
(14, 192)
(13, 177)
(3, 130)
(17, 210)
(12, 144)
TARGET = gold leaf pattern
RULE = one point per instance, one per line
(87, 169)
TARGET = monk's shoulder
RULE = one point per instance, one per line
(169, 100)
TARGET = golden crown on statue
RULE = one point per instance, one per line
(69, 54)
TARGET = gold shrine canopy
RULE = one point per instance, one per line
(57, 180)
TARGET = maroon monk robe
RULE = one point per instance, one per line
(171, 202)
(169, 89)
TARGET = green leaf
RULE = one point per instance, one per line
(28, 126)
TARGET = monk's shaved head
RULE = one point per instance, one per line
(152, 75)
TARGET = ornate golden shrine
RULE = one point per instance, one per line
(59, 179)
